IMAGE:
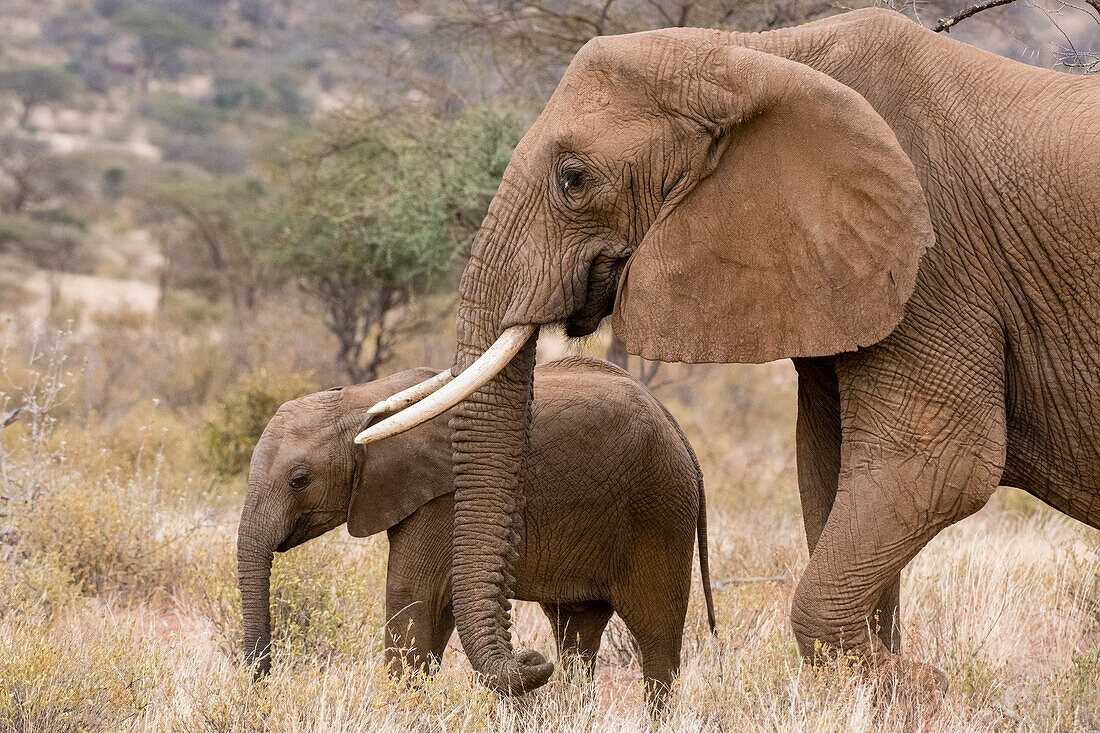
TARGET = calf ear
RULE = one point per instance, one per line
(399, 475)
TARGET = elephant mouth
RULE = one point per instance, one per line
(301, 534)
(583, 323)
(603, 282)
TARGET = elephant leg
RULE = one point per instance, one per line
(923, 447)
(817, 440)
(412, 632)
(578, 628)
(444, 627)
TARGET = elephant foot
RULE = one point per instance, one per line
(915, 686)
(526, 671)
(261, 667)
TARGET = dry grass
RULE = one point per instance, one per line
(118, 607)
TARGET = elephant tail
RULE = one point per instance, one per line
(704, 562)
(700, 522)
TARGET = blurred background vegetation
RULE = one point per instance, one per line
(208, 207)
(238, 184)
(200, 163)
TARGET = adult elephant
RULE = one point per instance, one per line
(914, 221)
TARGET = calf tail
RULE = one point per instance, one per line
(700, 524)
(704, 563)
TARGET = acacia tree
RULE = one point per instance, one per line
(531, 41)
(379, 211)
(31, 86)
(160, 34)
(30, 173)
(217, 232)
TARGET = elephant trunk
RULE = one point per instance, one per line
(489, 438)
(255, 553)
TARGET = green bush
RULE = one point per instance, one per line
(231, 433)
(188, 116)
(235, 93)
(287, 98)
(113, 178)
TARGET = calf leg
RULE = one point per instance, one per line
(419, 620)
(659, 644)
(654, 611)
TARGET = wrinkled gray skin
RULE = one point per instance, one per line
(978, 368)
(614, 504)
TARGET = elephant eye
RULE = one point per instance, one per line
(299, 481)
(572, 180)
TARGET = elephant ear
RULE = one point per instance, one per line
(801, 234)
(402, 473)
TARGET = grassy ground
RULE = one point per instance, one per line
(118, 606)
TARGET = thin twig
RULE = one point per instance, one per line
(721, 584)
(11, 417)
(947, 23)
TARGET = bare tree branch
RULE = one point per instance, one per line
(11, 417)
(722, 584)
(947, 23)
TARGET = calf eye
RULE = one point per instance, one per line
(299, 480)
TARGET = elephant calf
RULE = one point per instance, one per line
(614, 502)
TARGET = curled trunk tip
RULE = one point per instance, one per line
(520, 674)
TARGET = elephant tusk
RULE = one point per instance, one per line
(495, 358)
(412, 395)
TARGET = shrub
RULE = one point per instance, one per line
(113, 178)
(187, 116)
(217, 157)
(235, 93)
(327, 600)
(66, 680)
(105, 530)
(38, 587)
(231, 433)
(287, 98)
(87, 513)
(1079, 685)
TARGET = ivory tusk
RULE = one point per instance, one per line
(495, 358)
(412, 395)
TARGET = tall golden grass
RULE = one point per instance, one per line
(119, 609)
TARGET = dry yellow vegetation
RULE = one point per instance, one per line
(119, 609)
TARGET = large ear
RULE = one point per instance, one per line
(799, 234)
(402, 473)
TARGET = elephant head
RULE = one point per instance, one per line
(307, 477)
(726, 204)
